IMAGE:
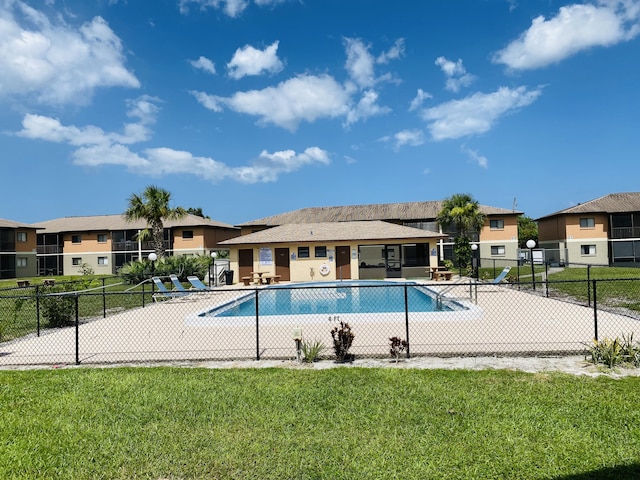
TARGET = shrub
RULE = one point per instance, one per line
(397, 346)
(342, 341)
(59, 310)
(137, 271)
(612, 352)
(311, 350)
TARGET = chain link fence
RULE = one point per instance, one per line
(459, 318)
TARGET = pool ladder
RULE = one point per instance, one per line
(442, 292)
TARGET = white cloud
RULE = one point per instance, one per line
(457, 75)
(302, 98)
(203, 63)
(481, 160)
(365, 108)
(477, 113)
(232, 8)
(251, 61)
(575, 28)
(359, 63)
(210, 102)
(53, 63)
(417, 101)
(393, 53)
(50, 129)
(412, 138)
(95, 147)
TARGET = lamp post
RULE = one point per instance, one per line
(474, 260)
(153, 257)
(530, 245)
(213, 262)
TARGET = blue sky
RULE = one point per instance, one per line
(250, 108)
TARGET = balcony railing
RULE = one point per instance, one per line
(625, 232)
(48, 249)
(132, 246)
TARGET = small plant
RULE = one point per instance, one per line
(342, 341)
(612, 352)
(448, 264)
(397, 347)
(86, 269)
(59, 310)
(311, 350)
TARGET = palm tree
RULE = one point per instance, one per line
(464, 212)
(153, 206)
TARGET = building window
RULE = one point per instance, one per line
(303, 252)
(76, 261)
(76, 238)
(103, 261)
(187, 234)
(21, 262)
(496, 224)
(497, 250)
(21, 236)
(588, 249)
(102, 238)
(589, 222)
(321, 252)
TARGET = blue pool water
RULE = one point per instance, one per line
(333, 298)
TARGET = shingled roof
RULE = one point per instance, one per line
(409, 211)
(333, 232)
(11, 224)
(612, 203)
(118, 222)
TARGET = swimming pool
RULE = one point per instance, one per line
(365, 299)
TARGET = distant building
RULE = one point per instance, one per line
(107, 242)
(368, 236)
(17, 250)
(604, 231)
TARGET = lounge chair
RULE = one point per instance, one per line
(503, 274)
(163, 293)
(177, 286)
(196, 283)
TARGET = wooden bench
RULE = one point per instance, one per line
(247, 281)
(24, 283)
(442, 273)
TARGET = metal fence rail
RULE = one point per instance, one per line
(468, 318)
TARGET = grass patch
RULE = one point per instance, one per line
(20, 308)
(337, 423)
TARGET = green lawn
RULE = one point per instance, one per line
(182, 423)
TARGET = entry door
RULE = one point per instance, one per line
(343, 262)
(245, 262)
(282, 264)
(393, 264)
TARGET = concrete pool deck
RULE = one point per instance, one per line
(511, 322)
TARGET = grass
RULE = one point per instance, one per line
(173, 423)
(19, 308)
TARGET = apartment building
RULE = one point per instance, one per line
(105, 243)
(17, 249)
(498, 238)
(603, 231)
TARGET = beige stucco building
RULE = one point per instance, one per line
(334, 251)
(104, 243)
(17, 250)
(603, 231)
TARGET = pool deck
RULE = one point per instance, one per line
(506, 322)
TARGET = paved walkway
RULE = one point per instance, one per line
(504, 321)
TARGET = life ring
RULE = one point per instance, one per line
(324, 269)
